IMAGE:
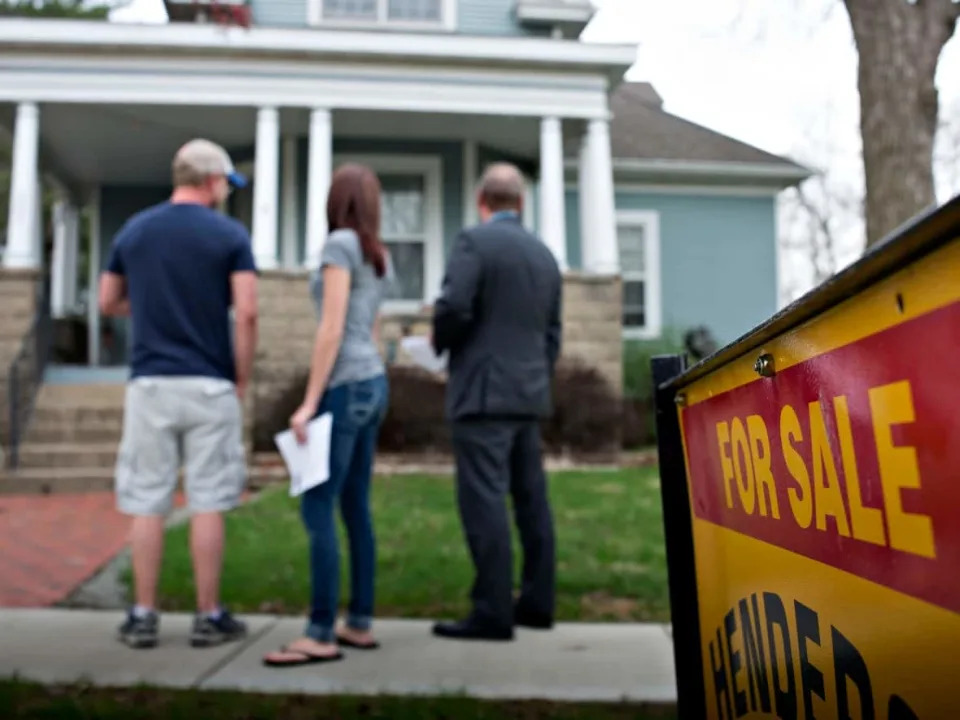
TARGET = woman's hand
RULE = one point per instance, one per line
(299, 420)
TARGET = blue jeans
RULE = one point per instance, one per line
(358, 409)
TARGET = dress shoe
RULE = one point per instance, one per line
(534, 620)
(471, 630)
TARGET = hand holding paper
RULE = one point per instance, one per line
(309, 463)
(421, 352)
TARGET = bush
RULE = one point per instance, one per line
(587, 421)
(587, 414)
(415, 420)
(638, 386)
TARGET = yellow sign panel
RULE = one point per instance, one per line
(824, 483)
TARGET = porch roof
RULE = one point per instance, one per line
(610, 60)
(647, 140)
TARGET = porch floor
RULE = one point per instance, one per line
(85, 375)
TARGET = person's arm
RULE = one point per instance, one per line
(244, 297)
(453, 312)
(113, 295)
(243, 285)
(326, 345)
(555, 327)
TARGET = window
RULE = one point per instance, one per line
(388, 12)
(403, 227)
(638, 236)
(410, 224)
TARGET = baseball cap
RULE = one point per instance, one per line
(204, 157)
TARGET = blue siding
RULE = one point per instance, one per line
(474, 17)
(491, 17)
(450, 153)
(718, 258)
(279, 12)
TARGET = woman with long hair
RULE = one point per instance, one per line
(347, 379)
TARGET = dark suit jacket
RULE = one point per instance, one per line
(499, 316)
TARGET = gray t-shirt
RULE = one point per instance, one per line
(359, 357)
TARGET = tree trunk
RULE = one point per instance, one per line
(899, 44)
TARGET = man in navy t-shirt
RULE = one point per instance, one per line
(177, 269)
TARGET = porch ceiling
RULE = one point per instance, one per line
(85, 145)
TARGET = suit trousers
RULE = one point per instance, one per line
(497, 457)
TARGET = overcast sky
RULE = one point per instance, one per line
(779, 75)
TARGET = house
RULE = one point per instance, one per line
(658, 223)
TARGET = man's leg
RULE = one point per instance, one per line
(482, 452)
(528, 486)
(146, 548)
(206, 548)
(215, 466)
(146, 477)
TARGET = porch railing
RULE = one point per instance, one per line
(26, 373)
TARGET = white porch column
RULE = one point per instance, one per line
(553, 226)
(63, 285)
(288, 191)
(319, 173)
(601, 253)
(93, 281)
(266, 188)
(58, 269)
(72, 231)
(23, 246)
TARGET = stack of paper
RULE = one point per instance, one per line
(309, 464)
(421, 352)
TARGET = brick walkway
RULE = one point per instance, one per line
(53, 543)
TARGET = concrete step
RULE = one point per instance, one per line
(54, 456)
(46, 414)
(43, 481)
(89, 395)
(99, 431)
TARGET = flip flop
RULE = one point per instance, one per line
(307, 658)
(346, 642)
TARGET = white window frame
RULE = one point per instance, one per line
(447, 22)
(431, 168)
(649, 220)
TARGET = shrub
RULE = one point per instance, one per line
(273, 411)
(587, 414)
(415, 420)
(638, 386)
(587, 420)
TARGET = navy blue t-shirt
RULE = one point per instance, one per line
(177, 260)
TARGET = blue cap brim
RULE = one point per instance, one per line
(237, 180)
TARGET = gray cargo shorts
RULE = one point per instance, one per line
(173, 422)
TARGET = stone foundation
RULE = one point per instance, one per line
(591, 318)
(18, 306)
(592, 323)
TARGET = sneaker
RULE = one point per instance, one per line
(208, 631)
(139, 632)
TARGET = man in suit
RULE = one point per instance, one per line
(499, 317)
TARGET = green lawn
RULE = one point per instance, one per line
(611, 562)
(27, 700)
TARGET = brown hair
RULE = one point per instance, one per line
(354, 202)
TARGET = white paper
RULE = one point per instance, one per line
(308, 465)
(422, 353)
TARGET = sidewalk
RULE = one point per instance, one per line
(581, 662)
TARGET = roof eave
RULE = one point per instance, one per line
(45, 34)
(780, 175)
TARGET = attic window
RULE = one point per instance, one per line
(387, 12)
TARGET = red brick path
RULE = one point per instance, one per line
(50, 544)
